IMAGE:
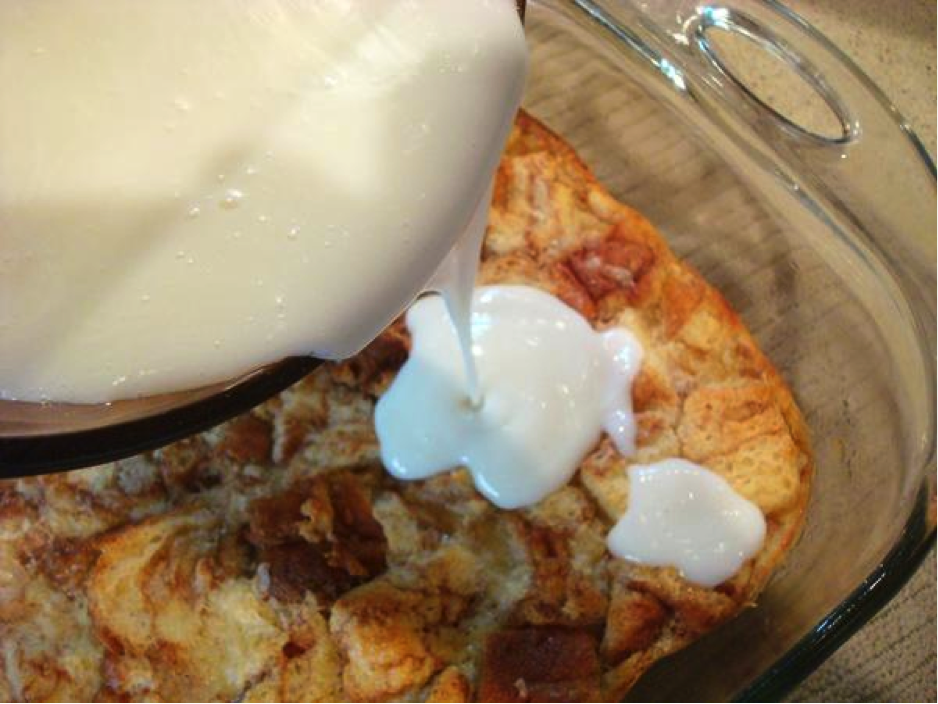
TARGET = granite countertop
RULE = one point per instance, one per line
(893, 657)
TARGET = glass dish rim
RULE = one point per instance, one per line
(885, 581)
(850, 615)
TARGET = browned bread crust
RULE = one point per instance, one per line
(274, 559)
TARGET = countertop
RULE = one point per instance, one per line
(893, 657)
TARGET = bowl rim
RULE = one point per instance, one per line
(32, 455)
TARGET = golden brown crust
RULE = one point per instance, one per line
(274, 559)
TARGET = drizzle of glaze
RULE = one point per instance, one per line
(455, 282)
(550, 385)
(683, 515)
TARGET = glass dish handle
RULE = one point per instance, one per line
(875, 177)
(875, 174)
(872, 181)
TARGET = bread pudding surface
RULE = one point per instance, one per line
(273, 558)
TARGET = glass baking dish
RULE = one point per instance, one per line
(826, 247)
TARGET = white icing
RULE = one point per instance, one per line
(455, 281)
(683, 515)
(550, 385)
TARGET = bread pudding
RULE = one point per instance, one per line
(273, 558)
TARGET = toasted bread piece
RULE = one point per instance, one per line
(273, 558)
